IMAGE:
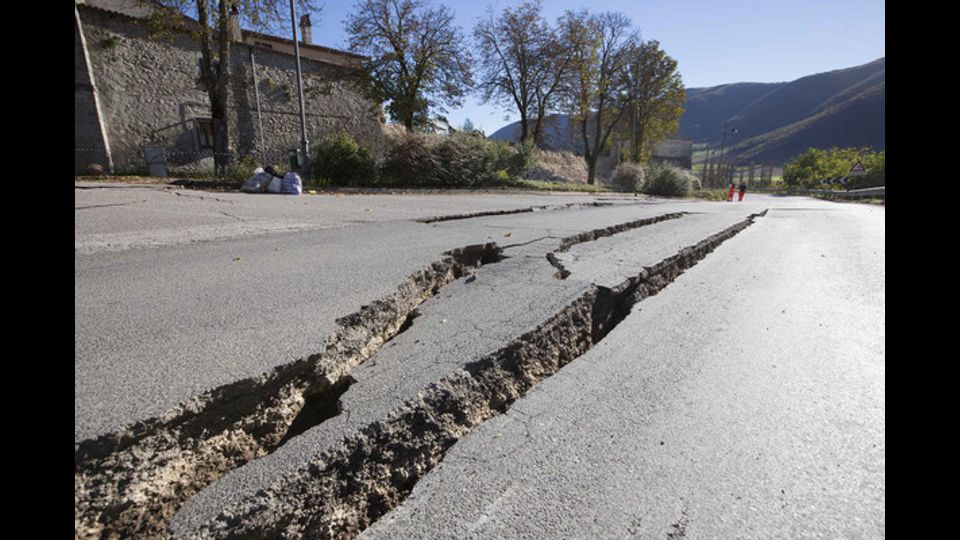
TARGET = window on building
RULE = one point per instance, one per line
(204, 133)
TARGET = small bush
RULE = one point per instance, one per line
(342, 161)
(628, 177)
(459, 165)
(523, 160)
(409, 161)
(875, 177)
(457, 161)
(695, 183)
(667, 181)
(243, 168)
(516, 160)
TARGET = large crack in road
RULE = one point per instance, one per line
(132, 483)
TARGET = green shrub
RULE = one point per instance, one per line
(875, 177)
(522, 160)
(457, 161)
(628, 177)
(243, 169)
(810, 169)
(409, 162)
(342, 161)
(516, 160)
(667, 181)
(459, 165)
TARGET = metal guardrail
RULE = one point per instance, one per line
(874, 192)
(865, 193)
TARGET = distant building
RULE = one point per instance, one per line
(136, 88)
(676, 152)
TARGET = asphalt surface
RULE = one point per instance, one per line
(112, 217)
(466, 321)
(746, 399)
(161, 323)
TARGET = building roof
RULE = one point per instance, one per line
(313, 52)
(140, 9)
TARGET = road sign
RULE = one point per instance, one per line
(858, 169)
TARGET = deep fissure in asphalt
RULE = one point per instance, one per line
(348, 487)
(318, 407)
(596, 234)
(130, 482)
(526, 210)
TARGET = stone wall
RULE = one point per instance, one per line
(150, 92)
(89, 144)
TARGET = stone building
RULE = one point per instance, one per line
(676, 152)
(137, 87)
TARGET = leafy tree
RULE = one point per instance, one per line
(595, 93)
(522, 63)
(876, 173)
(815, 165)
(417, 58)
(656, 95)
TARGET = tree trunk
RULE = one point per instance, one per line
(538, 130)
(588, 156)
(222, 143)
(524, 128)
(221, 148)
(591, 170)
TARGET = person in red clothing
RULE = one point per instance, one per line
(743, 189)
(733, 188)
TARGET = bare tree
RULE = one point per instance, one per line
(417, 60)
(595, 93)
(558, 60)
(522, 63)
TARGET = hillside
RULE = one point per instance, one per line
(855, 121)
(836, 108)
(774, 121)
(707, 108)
(556, 133)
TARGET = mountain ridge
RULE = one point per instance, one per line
(775, 122)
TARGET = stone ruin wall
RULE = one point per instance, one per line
(150, 92)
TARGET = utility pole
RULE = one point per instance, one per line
(304, 142)
(706, 158)
(256, 91)
(723, 139)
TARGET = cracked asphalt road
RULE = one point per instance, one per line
(745, 399)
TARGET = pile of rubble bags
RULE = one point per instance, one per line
(268, 181)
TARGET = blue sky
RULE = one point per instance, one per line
(714, 42)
